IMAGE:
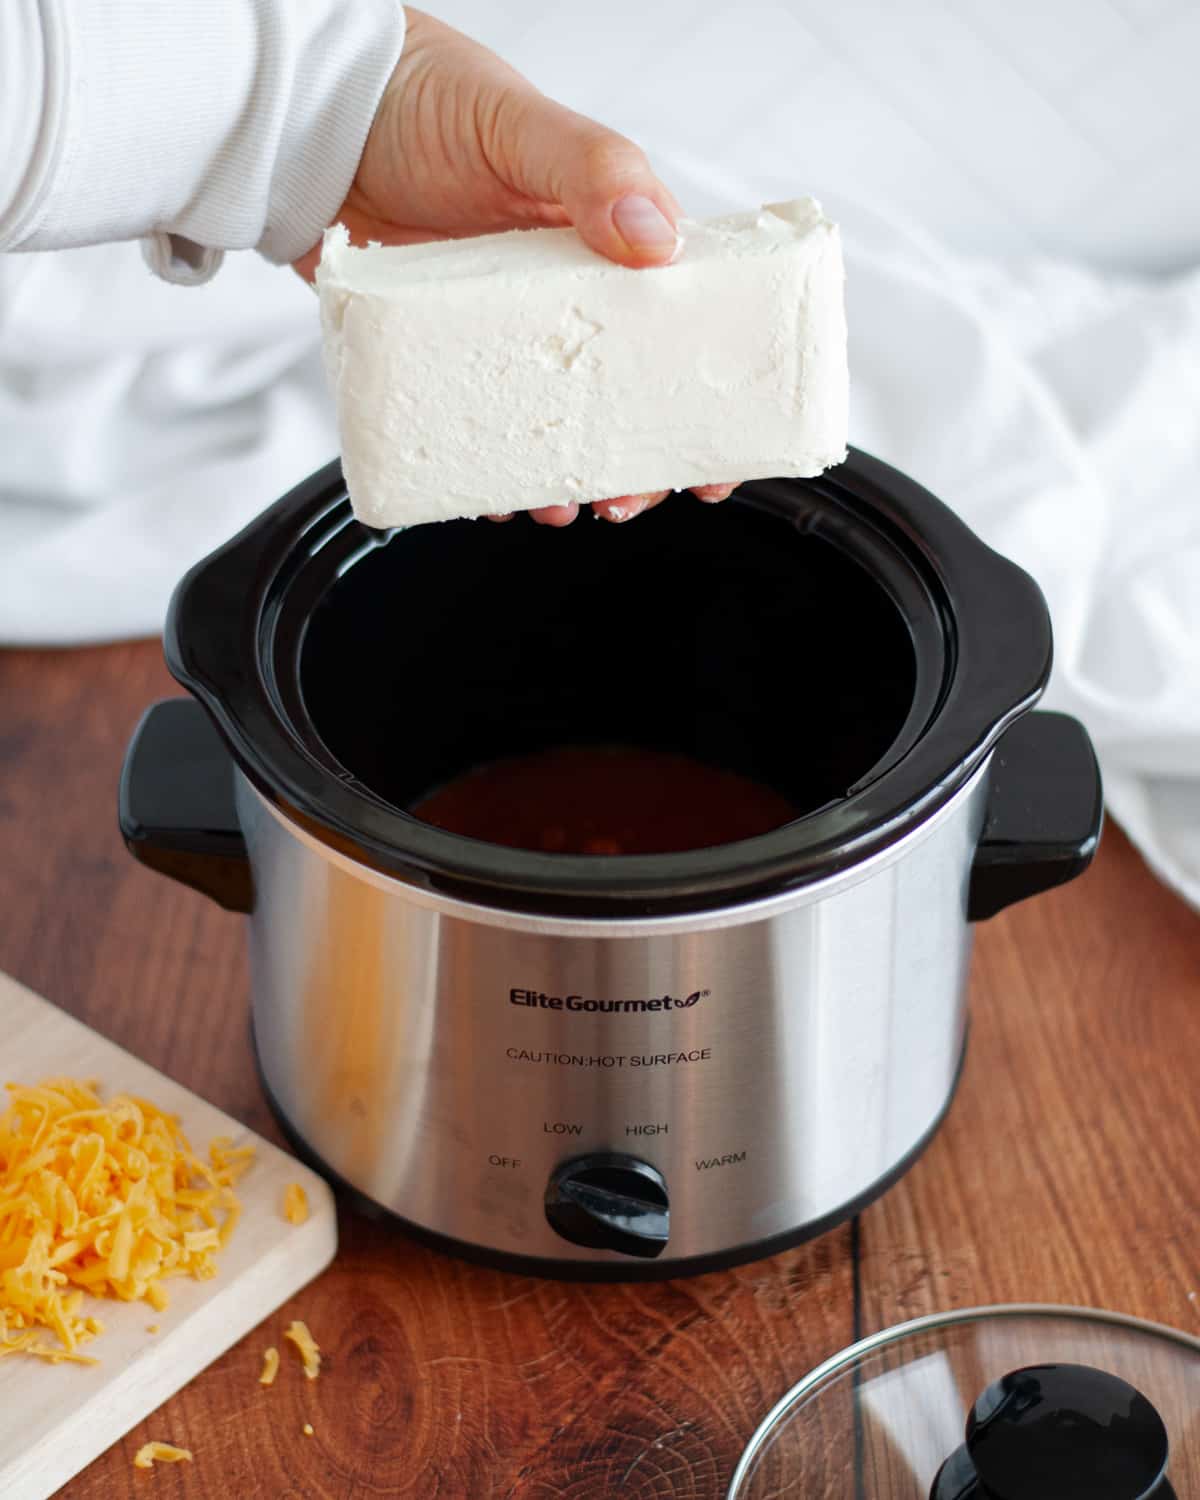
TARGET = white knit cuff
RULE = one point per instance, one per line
(340, 79)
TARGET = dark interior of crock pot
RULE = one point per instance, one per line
(732, 634)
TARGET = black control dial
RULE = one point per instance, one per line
(1059, 1432)
(609, 1201)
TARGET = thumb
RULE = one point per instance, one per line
(602, 180)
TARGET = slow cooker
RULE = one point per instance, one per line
(614, 1065)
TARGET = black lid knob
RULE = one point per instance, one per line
(1059, 1432)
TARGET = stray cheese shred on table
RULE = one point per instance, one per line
(299, 1335)
(102, 1199)
(150, 1454)
(270, 1366)
(295, 1203)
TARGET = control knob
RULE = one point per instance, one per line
(610, 1201)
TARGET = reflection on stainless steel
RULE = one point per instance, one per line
(820, 1047)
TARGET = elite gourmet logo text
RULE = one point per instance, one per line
(540, 1001)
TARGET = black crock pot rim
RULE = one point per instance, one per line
(998, 630)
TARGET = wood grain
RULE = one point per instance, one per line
(1068, 1171)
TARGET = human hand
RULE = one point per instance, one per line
(463, 145)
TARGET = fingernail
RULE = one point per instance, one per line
(634, 506)
(643, 225)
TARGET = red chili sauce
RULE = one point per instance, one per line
(604, 801)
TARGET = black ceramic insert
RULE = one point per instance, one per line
(846, 640)
(740, 641)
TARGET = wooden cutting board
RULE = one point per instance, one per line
(54, 1419)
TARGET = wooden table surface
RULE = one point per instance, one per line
(1068, 1171)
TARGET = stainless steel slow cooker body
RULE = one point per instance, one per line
(614, 1066)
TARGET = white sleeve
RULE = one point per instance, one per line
(199, 126)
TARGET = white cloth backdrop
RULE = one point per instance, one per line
(1056, 407)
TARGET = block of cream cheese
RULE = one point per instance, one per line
(517, 370)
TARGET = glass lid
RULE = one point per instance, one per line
(999, 1403)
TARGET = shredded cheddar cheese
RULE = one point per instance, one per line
(150, 1454)
(307, 1429)
(299, 1335)
(107, 1200)
(270, 1367)
(295, 1203)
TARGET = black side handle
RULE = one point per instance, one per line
(177, 811)
(1045, 807)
